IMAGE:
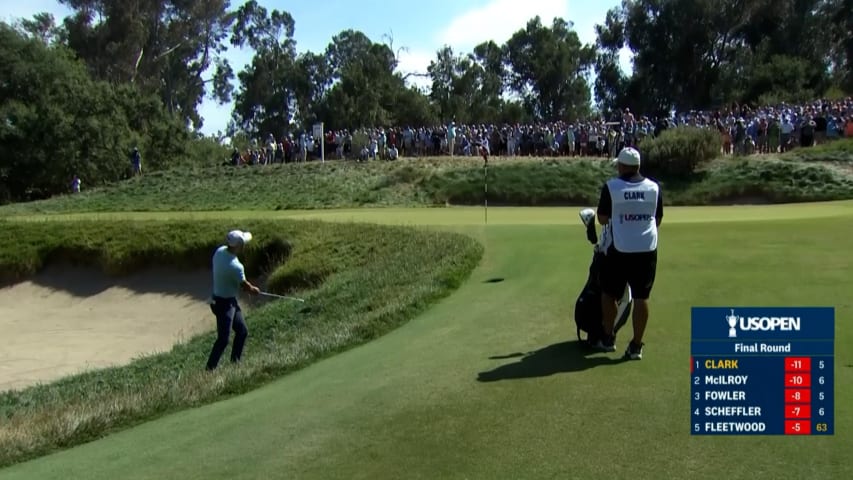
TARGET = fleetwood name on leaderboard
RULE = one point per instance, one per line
(762, 371)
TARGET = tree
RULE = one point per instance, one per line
(366, 90)
(451, 90)
(41, 27)
(56, 121)
(266, 99)
(162, 46)
(548, 69)
(699, 54)
(839, 15)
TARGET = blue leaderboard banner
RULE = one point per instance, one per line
(762, 371)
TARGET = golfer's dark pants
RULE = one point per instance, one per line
(228, 316)
(638, 270)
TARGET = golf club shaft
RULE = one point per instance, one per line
(273, 295)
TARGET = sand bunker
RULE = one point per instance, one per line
(66, 320)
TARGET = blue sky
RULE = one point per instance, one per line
(420, 27)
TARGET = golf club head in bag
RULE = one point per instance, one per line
(588, 218)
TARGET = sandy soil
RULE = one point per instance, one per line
(66, 320)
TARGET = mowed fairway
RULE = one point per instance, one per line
(489, 383)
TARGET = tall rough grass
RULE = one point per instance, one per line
(677, 158)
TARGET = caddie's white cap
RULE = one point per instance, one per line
(628, 156)
(236, 238)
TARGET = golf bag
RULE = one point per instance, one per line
(588, 314)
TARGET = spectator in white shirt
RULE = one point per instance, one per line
(787, 130)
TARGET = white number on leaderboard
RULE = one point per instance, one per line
(820, 365)
(695, 380)
(820, 380)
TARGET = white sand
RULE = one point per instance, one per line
(66, 320)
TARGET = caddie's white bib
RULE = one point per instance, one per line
(633, 218)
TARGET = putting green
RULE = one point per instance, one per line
(488, 383)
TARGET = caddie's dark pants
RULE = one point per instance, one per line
(228, 315)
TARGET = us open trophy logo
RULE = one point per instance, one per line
(732, 319)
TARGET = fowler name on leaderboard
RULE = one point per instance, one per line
(762, 348)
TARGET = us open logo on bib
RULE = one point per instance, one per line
(634, 217)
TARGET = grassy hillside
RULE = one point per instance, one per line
(359, 282)
(823, 173)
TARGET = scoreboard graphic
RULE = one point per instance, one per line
(762, 371)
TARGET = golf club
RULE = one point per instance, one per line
(273, 295)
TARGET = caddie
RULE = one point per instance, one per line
(632, 205)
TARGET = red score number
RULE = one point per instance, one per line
(798, 411)
(798, 395)
(798, 427)
(798, 364)
(798, 380)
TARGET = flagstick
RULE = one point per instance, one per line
(486, 190)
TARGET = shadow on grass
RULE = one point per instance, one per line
(565, 357)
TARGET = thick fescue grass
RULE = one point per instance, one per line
(764, 180)
(814, 175)
(361, 281)
(837, 151)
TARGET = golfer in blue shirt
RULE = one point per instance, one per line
(229, 277)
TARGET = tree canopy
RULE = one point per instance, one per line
(77, 93)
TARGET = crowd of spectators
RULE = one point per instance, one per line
(743, 131)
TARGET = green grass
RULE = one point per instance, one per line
(759, 180)
(443, 181)
(488, 384)
(838, 151)
(359, 282)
